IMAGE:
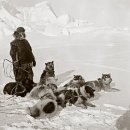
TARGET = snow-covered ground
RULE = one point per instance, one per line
(76, 47)
(89, 54)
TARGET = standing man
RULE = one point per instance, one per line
(22, 56)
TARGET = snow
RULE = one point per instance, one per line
(41, 18)
(64, 19)
(89, 54)
(72, 117)
(7, 17)
(76, 47)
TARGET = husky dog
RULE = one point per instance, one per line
(46, 106)
(102, 83)
(48, 76)
(19, 89)
(76, 96)
(76, 82)
(63, 97)
(48, 72)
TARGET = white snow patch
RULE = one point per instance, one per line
(115, 107)
(73, 118)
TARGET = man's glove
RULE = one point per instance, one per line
(34, 63)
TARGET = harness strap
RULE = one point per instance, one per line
(47, 95)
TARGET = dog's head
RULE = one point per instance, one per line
(49, 66)
(78, 79)
(106, 79)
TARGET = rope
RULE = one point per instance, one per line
(5, 69)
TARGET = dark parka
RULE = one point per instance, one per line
(21, 51)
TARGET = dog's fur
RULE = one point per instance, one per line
(47, 106)
(48, 76)
(41, 91)
(76, 82)
(47, 73)
(75, 96)
(14, 88)
(44, 108)
(102, 83)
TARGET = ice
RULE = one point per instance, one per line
(41, 18)
(64, 19)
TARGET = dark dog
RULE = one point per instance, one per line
(19, 89)
(63, 97)
(76, 82)
(102, 83)
(47, 73)
(75, 96)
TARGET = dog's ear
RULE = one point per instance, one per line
(80, 77)
(45, 63)
(99, 78)
(74, 76)
(52, 62)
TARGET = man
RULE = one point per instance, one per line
(22, 56)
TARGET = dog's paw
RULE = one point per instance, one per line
(85, 107)
(90, 104)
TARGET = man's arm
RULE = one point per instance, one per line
(13, 51)
(34, 62)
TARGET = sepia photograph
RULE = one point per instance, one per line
(64, 65)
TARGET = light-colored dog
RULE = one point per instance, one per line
(46, 106)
